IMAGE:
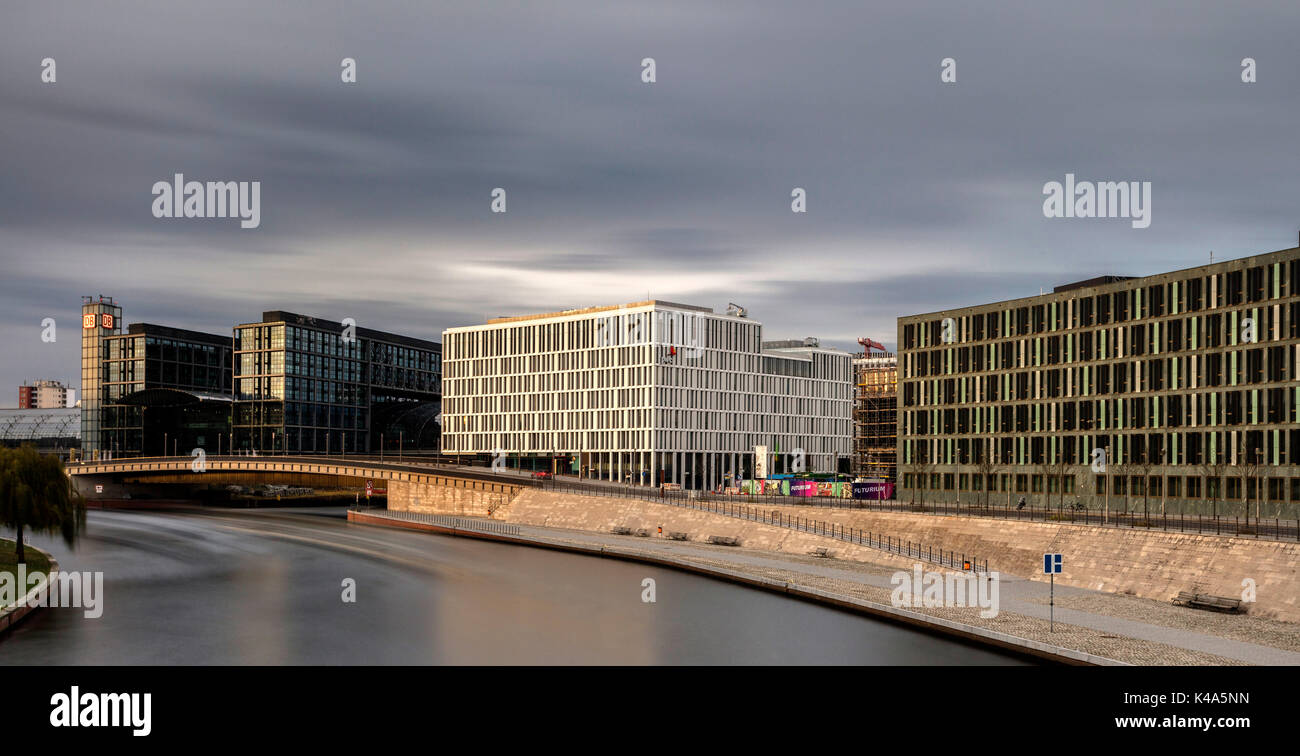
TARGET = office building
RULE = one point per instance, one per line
(1183, 383)
(42, 395)
(306, 385)
(646, 392)
(164, 391)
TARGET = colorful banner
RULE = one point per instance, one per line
(874, 490)
(803, 488)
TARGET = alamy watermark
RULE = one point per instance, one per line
(930, 589)
(179, 198)
(680, 333)
(1102, 199)
(59, 590)
(77, 709)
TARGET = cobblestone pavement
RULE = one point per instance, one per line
(1114, 626)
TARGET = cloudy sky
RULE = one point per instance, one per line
(375, 196)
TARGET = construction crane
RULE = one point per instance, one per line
(868, 345)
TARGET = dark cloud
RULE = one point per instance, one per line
(921, 196)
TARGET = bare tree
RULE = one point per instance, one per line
(1121, 471)
(1087, 488)
(987, 467)
(920, 478)
(1058, 470)
(1214, 472)
(1143, 468)
(1044, 470)
(1251, 468)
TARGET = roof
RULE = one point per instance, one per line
(601, 308)
(167, 332)
(320, 324)
(17, 425)
(1113, 284)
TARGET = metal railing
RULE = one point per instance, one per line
(1271, 528)
(693, 500)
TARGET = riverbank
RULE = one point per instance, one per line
(1090, 627)
(1153, 565)
(38, 562)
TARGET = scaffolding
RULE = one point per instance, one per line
(875, 416)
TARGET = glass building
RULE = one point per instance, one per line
(50, 431)
(164, 391)
(306, 385)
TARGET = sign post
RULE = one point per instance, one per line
(370, 488)
(1051, 566)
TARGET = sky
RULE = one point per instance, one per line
(375, 203)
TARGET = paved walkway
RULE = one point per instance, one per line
(1017, 595)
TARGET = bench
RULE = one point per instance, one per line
(1206, 601)
(821, 552)
(621, 530)
(642, 533)
(677, 535)
(724, 540)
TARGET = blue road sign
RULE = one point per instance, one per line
(1052, 564)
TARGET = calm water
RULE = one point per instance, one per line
(264, 587)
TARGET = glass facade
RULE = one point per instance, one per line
(314, 386)
(155, 357)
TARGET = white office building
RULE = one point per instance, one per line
(646, 392)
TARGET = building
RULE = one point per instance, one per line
(164, 391)
(646, 392)
(1179, 388)
(151, 390)
(306, 385)
(100, 318)
(875, 416)
(42, 395)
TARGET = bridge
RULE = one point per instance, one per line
(410, 484)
